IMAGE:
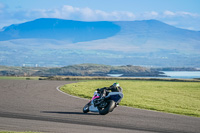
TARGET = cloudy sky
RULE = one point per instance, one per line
(180, 13)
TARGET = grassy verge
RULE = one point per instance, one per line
(81, 78)
(19, 78)
(166, 96)
(16, 132)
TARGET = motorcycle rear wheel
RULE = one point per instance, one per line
(108, 108)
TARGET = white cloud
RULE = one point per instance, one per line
(169, 13)
(188, 14)
(74, 13)
(87, 14)
(180, 14)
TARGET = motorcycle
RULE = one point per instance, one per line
(103, 104)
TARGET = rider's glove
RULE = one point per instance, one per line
(98, 90)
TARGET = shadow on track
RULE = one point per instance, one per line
(76, 113)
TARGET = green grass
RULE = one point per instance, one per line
(19, 78)
(16, 132)
(166, 96)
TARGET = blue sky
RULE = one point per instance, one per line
(180, 13)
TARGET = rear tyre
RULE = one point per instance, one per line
(108, 108)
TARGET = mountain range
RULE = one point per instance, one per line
(58, 42)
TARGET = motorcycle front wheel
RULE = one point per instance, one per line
(86, 108)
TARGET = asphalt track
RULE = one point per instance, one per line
(29, 105)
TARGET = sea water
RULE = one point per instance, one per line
(182, 74)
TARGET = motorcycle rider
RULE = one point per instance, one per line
(113, 88)
(105, 100)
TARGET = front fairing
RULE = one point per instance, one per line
(92, 108)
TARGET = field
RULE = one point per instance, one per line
(166, 96)
(16, 132)
(19, 78)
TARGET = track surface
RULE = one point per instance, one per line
(38, 106)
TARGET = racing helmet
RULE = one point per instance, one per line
(115, 85)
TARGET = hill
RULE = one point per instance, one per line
(80, 70)
(57, 42)
(58, 29)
